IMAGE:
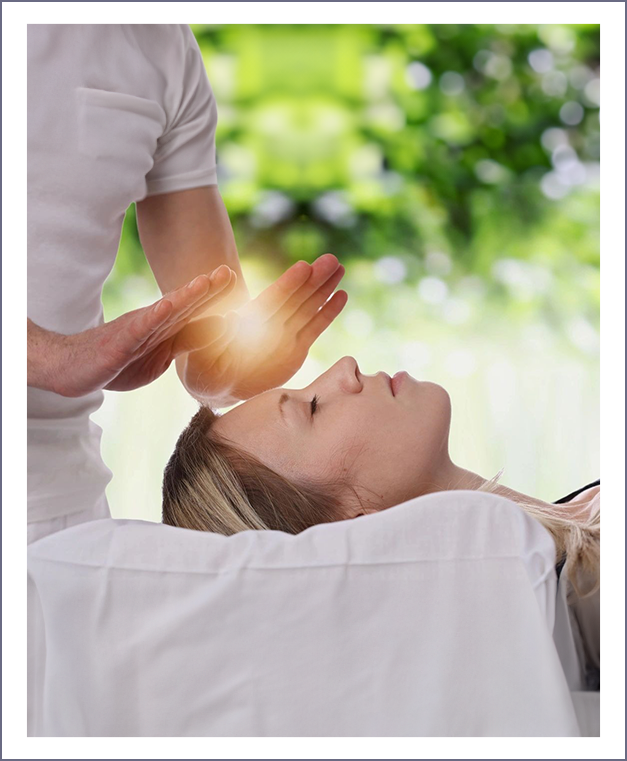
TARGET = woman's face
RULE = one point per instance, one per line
(391, 444)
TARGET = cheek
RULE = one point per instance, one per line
(331, 451)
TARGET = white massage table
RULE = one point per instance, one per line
(438, 617)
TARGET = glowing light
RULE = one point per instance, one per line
(251, 330)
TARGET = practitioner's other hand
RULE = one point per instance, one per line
(268, 338)
(139, 346)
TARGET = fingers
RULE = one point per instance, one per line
(274, 297)
(323, 268)
(191, 299)
(232, 323)
(131, 335)
(310, 332)
(307, 310)
(199, 334)
(194, 296)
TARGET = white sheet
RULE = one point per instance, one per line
(433, 618)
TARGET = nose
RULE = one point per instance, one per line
(348, 366)
(344, 376)
(350, 375)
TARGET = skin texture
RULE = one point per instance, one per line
(411, 436)
(392, 448)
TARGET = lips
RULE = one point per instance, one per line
(397, 380)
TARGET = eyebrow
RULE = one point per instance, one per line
(283, 398)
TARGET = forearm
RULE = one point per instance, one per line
(188, 233)
(44, 349)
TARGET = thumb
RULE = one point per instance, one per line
(199, 334)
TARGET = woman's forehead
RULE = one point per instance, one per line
(258, 408)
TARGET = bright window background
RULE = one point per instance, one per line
(454, 170)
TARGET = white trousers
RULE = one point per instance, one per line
(36, 643)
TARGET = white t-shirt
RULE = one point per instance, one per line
(115, 113)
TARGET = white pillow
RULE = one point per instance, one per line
(432, 618)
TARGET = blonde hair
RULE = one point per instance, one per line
(577, 537)
(211, 485)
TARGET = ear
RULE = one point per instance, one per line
(355, 505)
(364, 511)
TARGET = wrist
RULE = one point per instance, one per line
(203, 393)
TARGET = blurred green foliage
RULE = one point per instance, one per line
(454, 170)
(437, 151)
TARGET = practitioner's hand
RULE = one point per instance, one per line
(139, 346)
(269, 337)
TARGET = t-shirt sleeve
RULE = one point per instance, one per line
(185, 155)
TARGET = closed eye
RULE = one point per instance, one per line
(314, 405)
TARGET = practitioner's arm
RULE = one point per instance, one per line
(188, 232)
(132, 350)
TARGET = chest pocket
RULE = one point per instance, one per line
(117, 136)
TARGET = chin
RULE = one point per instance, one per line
(433, 401)
(430, 387)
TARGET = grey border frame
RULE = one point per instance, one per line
(281, 11)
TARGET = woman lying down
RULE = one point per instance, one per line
(347, 445)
